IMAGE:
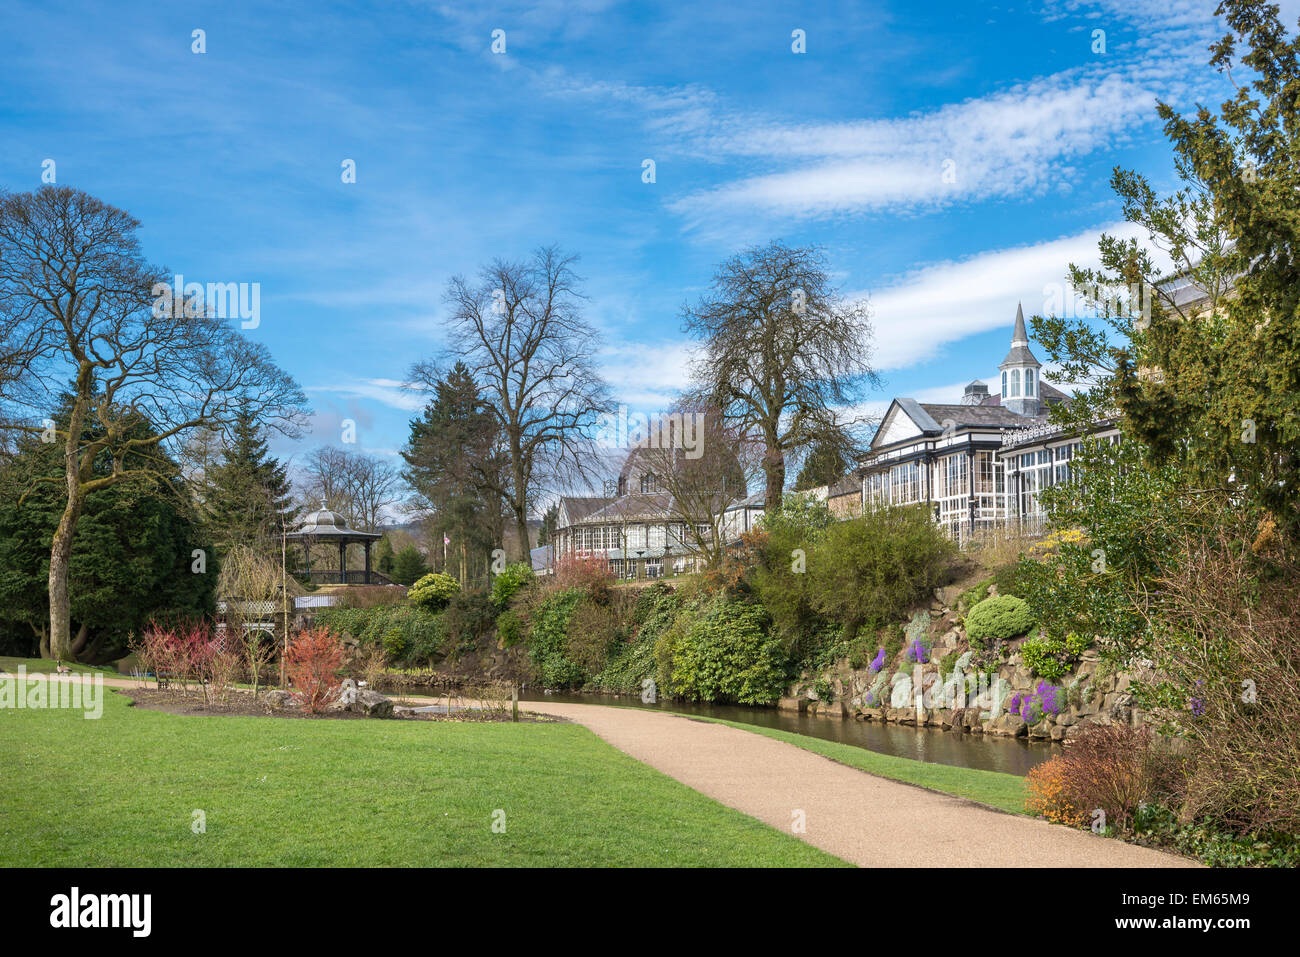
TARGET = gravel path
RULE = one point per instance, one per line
(858, 817)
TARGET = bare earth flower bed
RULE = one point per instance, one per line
(242, 703)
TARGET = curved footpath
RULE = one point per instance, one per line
(858, 817)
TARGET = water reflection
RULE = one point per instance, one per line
(983, 752)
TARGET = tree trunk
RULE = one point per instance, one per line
(774, 469)
(60, 553)
(79, 643)
(519, 501)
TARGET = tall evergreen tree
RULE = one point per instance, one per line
(138, 553)
(550, 521)
(248, 494)
(455, 463)
(409, 566)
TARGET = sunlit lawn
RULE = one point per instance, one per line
(123, 790)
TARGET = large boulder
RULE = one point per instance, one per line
(372, 704)
(278, 700)
(900, 696)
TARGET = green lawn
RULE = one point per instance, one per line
(290, 792)
(1003, 791)
(47, 665)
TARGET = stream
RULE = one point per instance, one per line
(979, 751)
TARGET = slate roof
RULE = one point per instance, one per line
(973, 415)
(849, 485)
(633, 507)
(1046, 391)
(578, 507)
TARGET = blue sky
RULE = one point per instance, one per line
(232, 159)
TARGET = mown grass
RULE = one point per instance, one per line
(122, 791)
(46, 666)
(993, 788)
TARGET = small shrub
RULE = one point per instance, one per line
(548, 640)
(871, 569)
(998, 618)
(592, 632)
(822, 689)
(510, 629)
(590, 572)
(512, 578)
(312, 663)
(433, 591)
(1116, 768)
(1048, 793)
(467, 620)
(1053, 658)
(974, 595)
(394, 645)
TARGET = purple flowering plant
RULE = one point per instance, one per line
(1034, 707)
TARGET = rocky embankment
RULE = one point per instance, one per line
(965, 700)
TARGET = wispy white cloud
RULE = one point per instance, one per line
(647, 376)
(920, 312)
(389, 392)
(1020, 141)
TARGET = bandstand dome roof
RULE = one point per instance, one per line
(325, 524)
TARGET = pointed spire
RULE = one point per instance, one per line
(1019, 354)
(1019, 337)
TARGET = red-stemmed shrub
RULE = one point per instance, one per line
(583, 571)
(312, 662)
(1114, 768)
(189, 651)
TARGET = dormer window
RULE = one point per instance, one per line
(648, 482)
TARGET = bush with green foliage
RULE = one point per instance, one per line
(789, 536)
(727, 654)
(433, 591)
(408, 635)
(594, 629)
(548, 641)
(633, 659)
(997, 619)
(467, 620)
(871, 569)
(1050, 657)
(974, 595)
(507, 584)
(510, 628)
(409, 566)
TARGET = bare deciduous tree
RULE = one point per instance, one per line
(784, 353)
(79, 308)
(520, 332)
(701, 464)
(363, 487)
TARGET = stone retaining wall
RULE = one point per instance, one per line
(1092, 696)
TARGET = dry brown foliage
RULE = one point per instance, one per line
(1226, 648)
